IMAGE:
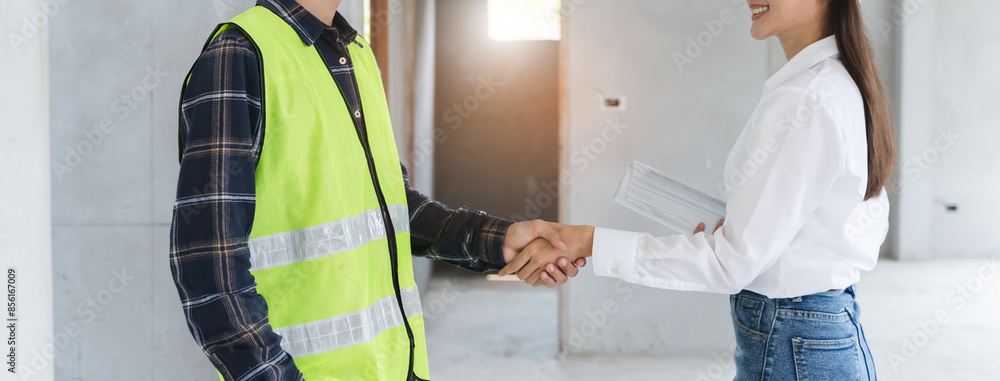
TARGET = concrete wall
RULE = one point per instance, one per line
(25, 196)
(117, 69)
(691, 76)
(965, 84)
(944, 94)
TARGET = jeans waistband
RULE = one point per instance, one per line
(834, 301)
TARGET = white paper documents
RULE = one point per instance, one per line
(668, 201)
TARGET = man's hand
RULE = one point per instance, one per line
(521, 234)
(541, 256)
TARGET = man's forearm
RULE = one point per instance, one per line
(469, 239)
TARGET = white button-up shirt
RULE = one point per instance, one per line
(796, 222)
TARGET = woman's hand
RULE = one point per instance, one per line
(553, 276)
(701, 226)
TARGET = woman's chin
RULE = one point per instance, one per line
(758, 34)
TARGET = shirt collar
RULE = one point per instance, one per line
(806, 59)
(305, 24)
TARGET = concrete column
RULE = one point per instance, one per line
(913, 203)
(25, 196)
(398, 69)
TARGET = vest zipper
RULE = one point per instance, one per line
(390, 231)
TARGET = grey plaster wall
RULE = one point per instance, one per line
(944, 92)
(116, 74)
(966, 169)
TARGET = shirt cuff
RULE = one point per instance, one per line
(615, 252)
(492, 236)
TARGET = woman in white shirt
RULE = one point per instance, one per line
(807, 209)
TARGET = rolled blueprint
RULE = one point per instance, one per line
(663, 199)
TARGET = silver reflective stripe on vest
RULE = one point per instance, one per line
(322, 240)
(342, 331)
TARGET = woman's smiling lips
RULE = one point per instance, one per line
(759, 10)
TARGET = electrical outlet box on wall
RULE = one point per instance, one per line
(613, 103)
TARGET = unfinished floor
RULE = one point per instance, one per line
(470, 338)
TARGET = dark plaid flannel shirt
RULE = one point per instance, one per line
(221, 138)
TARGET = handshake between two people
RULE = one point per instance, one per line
(548, 253)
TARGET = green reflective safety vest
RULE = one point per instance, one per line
(330, 244)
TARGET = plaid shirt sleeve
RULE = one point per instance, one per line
(469, 239)
(214, 212)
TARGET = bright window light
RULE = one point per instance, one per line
(524, 20)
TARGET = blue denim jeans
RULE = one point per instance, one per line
(812, 337)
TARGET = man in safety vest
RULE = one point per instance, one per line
(294, 223)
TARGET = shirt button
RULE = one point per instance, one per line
(357, 113)
(614, 271)
(343, 60)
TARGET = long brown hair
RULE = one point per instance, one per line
(845, 21)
